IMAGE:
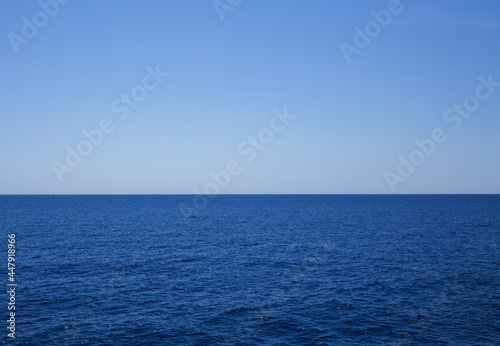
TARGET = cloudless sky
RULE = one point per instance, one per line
(353, 120)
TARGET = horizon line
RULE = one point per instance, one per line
(246, 194)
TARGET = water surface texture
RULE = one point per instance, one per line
(254, 270)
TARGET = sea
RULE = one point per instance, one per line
(251, 270)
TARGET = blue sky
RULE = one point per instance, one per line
(353, 120)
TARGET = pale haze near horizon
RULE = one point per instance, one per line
(226, 80)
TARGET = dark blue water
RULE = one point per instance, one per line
(254, 270)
